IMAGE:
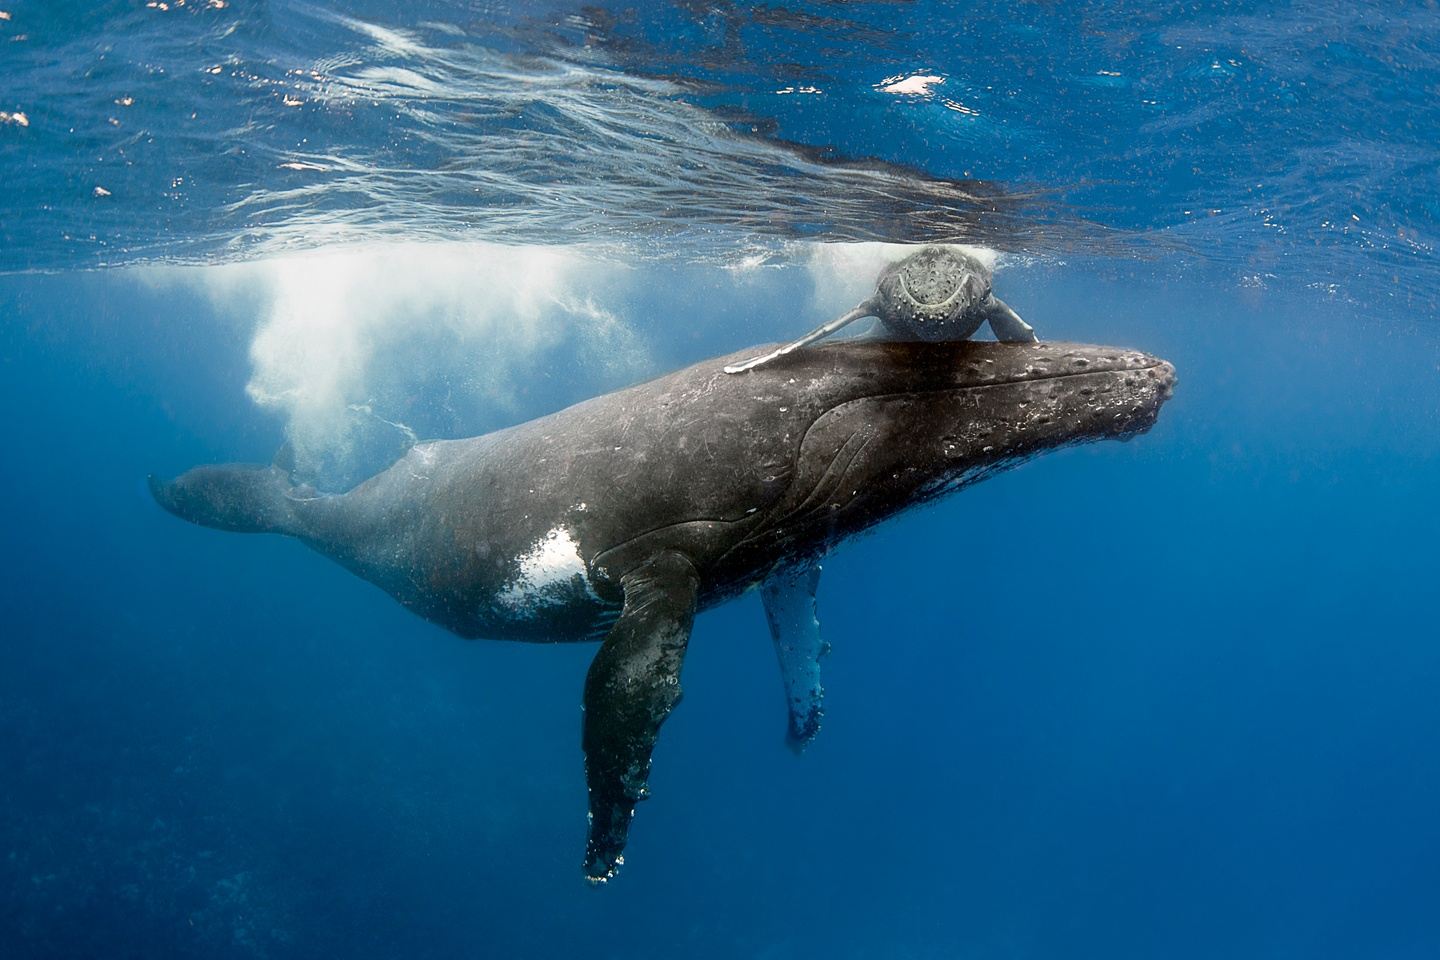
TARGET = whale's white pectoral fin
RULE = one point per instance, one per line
(789, 597)
(1005, 323)
(633, 684)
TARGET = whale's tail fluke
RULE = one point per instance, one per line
(243, 498)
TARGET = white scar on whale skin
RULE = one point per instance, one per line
(547, 576)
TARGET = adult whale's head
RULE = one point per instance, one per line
(895, 424)
(1009, 395)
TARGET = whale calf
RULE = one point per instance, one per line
(619, 518)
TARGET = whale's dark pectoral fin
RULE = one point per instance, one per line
(1005, 323)
(633, 684)
(789, 596)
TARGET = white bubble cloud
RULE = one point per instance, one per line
(346, 334)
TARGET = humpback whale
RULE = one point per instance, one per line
(619, 518)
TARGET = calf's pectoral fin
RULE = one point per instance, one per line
(1006, 323)
(789, 597)
(633, 684)
(864, 309)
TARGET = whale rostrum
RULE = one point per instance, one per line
(619, 518)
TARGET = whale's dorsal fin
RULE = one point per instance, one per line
(633, 684)
(789, 596)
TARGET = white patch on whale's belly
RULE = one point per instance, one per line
(552, 574)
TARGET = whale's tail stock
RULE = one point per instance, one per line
(244, 498)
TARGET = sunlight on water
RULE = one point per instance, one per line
(205, 133)
(425, 132)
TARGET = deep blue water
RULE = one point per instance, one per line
(1176, 697)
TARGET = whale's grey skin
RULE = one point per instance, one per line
(622, 516)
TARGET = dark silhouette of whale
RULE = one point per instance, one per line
(621, 517)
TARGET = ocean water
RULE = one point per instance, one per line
(1177, 697)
